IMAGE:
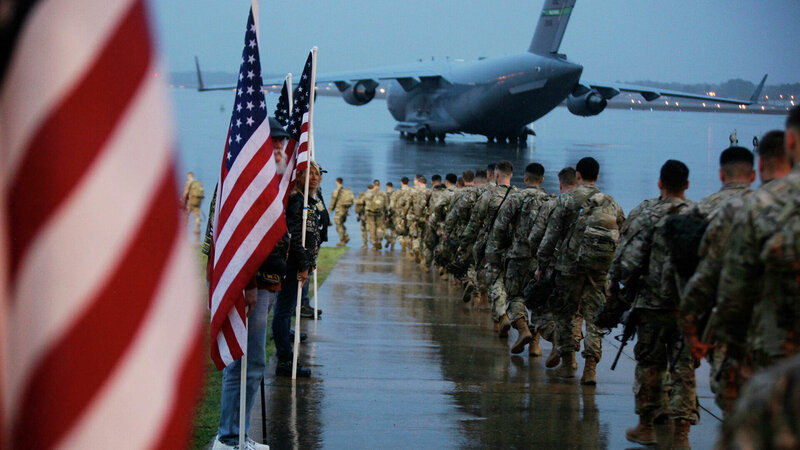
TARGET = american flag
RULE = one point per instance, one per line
(249, 215)
(102, 342)
(282, 109)
(297, 148)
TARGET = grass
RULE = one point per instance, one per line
(206, 417)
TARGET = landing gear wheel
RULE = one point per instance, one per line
(441, 137)
(409, 136)
(489, 139)
(421, 136)
(402, 134)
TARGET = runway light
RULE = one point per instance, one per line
(766, 97)
(711, 93)
(718, 106)
(781, 96)
(666, 102)
(633, 101)
(704, 104)
(383, 91)
(763, 108)
(677, 104)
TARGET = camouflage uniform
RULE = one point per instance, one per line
(643, 256)
(700, 293)
(375, 205)
(340, 212)
(476, 235)
(508, 253)
(542, 317)
(768, 411)
(398, 203)
(415, 218)
(389, 234)
(457, 220)
(758, 312)
(360, 215)
(578, 290)
(437, 212)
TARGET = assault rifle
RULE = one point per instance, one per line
(630, 320)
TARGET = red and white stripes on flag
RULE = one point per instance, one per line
(249, 215)
(102, 310)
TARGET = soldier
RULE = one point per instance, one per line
(757, 316)
(640, 263)
(767, 414)
(375, 205)
(399, 206)
(508, 256)
(475, 236)
(438, 203)
(388, 228)
(341, 201)
(360, 209)
(542, 315)
(700, 293)
(415, 216)
(456, 220)
(586, 222)
(193, 194)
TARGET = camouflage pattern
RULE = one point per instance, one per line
(437, 213)
(542, 317)
(389, 234)
(478, 228)
(577, 291)
(644, 249)
(375, 204)
(643, 255)
(757, 309)
(398, 203)
(700, 295)
(508, 260)
(656, 391)
(767, 414)
(561, 226)
(415, 216)
(709, 204)
(360, 208)
(458, 218)
(340, 213)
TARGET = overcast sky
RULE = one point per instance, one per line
(615, 40)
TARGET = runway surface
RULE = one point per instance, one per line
(399, 361)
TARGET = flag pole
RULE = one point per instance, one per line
(305, 210)
(242, 390)
(243, 373)
(311, 146)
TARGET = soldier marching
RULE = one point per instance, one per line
(716, 279)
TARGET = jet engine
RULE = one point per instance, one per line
(587, 103)
(360, 93)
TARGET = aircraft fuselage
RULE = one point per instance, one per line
(490, 97)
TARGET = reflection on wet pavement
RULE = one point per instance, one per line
(400, 362)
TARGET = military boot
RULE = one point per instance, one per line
(589, 377)
(533, 348)
(664, 430)
(505, 325)
(524, 338)
(553, 358)
(680, 437)
(643, 433)
(568, 365)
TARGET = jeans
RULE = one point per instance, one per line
(228, 432)
(282, 317)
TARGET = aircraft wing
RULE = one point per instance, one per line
(651, 93)
(407, 75)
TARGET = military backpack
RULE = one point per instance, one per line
(599, 233)
(781, 252)
(345, 198)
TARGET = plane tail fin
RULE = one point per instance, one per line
(552, 24)
(757, 93)
(200, 85)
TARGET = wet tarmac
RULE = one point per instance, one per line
(399, 361)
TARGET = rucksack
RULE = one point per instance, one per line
(683, 234)
(598, 242)
(196, 189)
(345, 198)
(781, 252)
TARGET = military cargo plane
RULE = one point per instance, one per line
(494, 97)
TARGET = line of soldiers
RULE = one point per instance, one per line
(717, 279)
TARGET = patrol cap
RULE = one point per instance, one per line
(276, 130)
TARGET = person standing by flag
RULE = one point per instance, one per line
(248, 223)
